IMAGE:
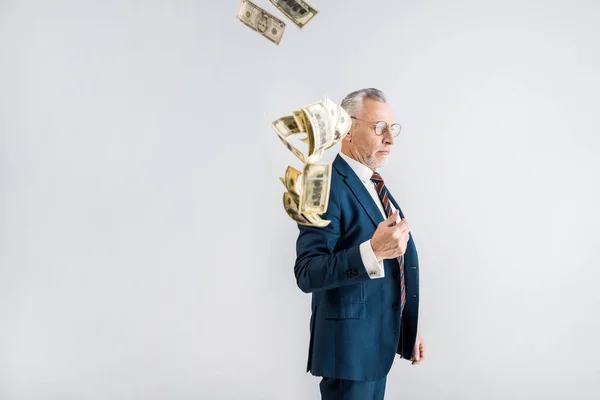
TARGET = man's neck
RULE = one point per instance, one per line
(347, 153)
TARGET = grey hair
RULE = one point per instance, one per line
(353, 101)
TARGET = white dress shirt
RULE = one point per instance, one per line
(374, 268)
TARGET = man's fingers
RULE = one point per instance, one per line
(403, 225)
(416, 357)
(418, 361)
(419, 353)
(397, 225)
(391, 220)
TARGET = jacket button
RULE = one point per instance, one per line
(395, 306)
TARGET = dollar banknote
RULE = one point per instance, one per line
(342, 120)
(293, 182)
(329, 124)
(315, 188)
(301, 120)
(321, 129)
(291, 207)
(298, 11)
(286, 126)
(343, 125)
(316, 220)
(303, 124)
(334, 110)
(261, 21)
(292, 148)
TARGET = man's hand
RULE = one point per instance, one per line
(419, 354)
(390, 239)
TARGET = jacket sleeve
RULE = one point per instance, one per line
(318, 266)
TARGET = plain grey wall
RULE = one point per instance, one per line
(145, 252)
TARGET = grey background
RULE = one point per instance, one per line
(145, 252)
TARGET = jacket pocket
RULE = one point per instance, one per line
(354, 310)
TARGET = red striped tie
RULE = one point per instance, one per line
(387, 206)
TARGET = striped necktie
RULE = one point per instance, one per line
(387, 206)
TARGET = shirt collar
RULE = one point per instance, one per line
(364, 173)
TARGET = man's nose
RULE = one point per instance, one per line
(388, 138)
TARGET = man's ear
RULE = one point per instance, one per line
(348, 135)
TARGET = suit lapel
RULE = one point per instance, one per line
(358, 188)
(395, 203)
(410, 238)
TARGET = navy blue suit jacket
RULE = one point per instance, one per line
(355, 327)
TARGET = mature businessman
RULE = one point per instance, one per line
(362, 269)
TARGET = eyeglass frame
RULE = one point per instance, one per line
(374, 126)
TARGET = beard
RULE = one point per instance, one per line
(371, 161)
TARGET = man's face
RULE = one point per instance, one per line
(363, 144)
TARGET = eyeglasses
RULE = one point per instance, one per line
(381, 127)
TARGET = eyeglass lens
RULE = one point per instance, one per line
(382, 126)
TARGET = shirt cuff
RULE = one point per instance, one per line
(374, 268)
